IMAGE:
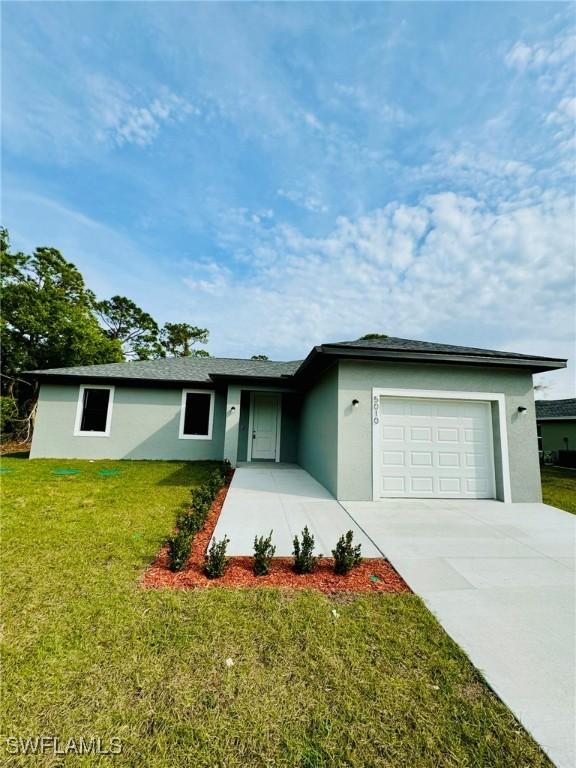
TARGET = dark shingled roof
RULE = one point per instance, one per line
(393, 343)
(556, 409)
(192, 369)
(206, 369)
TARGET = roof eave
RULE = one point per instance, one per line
(535, 364)
(81, 378)
(283, 380)
(555, 418)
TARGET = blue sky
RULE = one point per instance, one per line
(287, 174)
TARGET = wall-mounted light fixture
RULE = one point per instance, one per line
(232, 408)
(522, 410)
(355, 403)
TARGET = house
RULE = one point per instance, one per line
(368, 418)
(556, 422)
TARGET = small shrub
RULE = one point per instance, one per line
(215, 482)
(346, 556)
(263, 554)
(215, 561)
(201, 497)
(304, 560)
(191, 521)
(179, 550)
(199, 504)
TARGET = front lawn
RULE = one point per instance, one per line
(559, 488)
(88, 652)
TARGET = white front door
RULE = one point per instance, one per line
(265, 426)
(436, 448)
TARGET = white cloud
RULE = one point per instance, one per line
(552, 61)
(119, 117)
(448, 268)
(371, 103)
(311, 202)
(559, 50)
(519, 56)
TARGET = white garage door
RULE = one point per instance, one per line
(436, 448)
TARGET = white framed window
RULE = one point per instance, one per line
(94, 411)
(540, 439)
(196, 414)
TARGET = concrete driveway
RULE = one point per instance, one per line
(283, 498)
(500, 579)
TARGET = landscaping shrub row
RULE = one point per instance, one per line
(190, 521)
(346, 555)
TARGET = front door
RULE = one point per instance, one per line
(265, 426)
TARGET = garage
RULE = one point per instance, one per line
(434, 448)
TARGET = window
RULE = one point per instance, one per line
(94, 411)
(539, 429)
(196, 414)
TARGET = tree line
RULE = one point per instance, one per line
(51, 319)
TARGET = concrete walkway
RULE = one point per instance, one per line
(500, 579)
(283, 498)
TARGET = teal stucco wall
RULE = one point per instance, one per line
(558, 436)
(290, 428)
(145, 424)
(356, 380)
(318, 439)
(243, 426)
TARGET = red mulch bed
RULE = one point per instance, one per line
(373, 575)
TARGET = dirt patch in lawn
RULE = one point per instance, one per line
(372, 575)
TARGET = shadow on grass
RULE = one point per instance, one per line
(15, 455)
(190, 474)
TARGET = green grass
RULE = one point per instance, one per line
(559, 488)
(87, 652)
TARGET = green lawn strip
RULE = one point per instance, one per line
(88, 652)
(559, 488)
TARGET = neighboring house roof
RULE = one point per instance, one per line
(556, 409)
(208, 369)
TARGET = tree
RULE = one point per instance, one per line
(50, 320)
(136, 330)
(176, 340)
(372, 337)
(259, 357)
(47, 317)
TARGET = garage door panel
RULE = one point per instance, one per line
(422, 484)
(436, 448)
(394, 485)
(477, 485)
(448, 459)
(474, 435)
(421, 408)
(393, 458)
(447, 435)
(398, 408)
(393, 433)
(475, 460)
(421, 434)
(450, 485)
(421, 458)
